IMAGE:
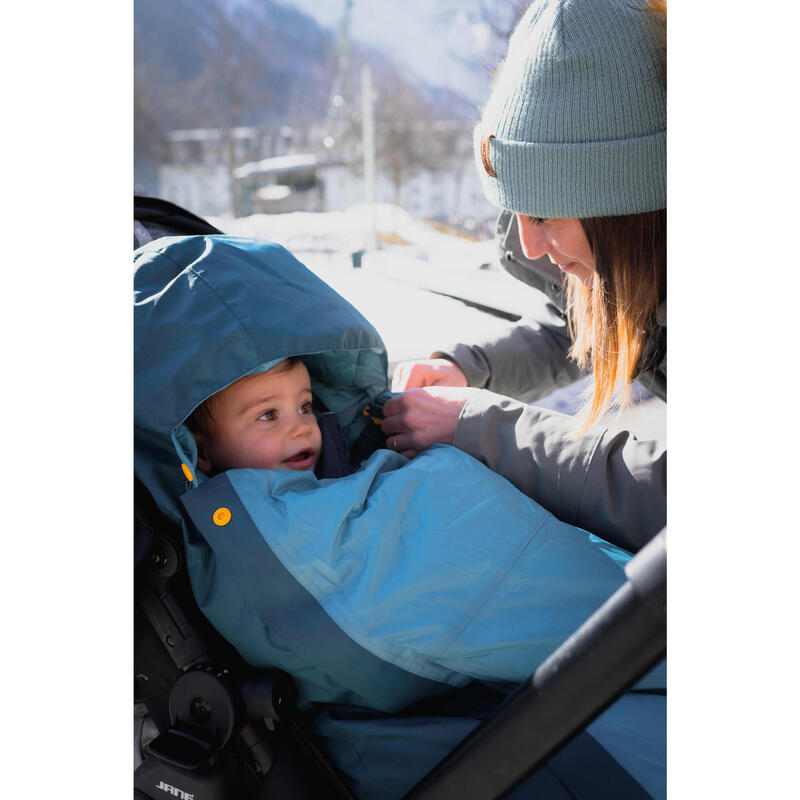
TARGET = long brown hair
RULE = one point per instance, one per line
(611, 319)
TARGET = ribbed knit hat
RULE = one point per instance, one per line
(576, 123)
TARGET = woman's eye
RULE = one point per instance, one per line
(269, 416)
(537, 220)
(305, 408)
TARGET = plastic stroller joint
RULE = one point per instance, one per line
(206, 704)
(271, 696)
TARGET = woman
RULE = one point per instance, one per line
(573, 142)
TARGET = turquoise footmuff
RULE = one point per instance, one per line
(383, 592)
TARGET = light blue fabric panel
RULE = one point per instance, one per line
(437, 565)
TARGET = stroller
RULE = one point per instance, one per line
(231, 729)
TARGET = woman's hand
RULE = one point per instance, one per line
(427, 372)
(418, 418)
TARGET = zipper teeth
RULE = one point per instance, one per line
(533, 267)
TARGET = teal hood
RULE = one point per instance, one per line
(211, 309)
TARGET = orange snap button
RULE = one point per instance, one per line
(222, 516)
(187, 472)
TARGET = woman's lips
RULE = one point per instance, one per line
(302, 460)
(566, 267)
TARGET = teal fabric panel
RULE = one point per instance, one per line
(388, 755)
(634, 731)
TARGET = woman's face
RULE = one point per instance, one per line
(564, 242)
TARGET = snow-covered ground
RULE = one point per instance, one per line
(400, 287)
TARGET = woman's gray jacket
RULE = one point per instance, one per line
(606, 481)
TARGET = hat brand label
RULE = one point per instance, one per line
(487, 162)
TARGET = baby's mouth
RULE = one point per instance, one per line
(301, 460)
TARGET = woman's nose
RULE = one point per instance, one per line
(532, 237)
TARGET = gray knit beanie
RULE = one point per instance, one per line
(576, 123)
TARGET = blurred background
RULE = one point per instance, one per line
(342, 129)
(247, 106)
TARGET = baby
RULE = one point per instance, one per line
(261, 421)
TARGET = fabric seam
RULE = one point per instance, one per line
(490, 590)
(589, 464)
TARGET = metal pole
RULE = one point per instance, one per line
(624, 639)
(368, 138)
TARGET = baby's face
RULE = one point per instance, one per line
(262, 421)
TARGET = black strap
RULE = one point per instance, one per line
(589, 772)
(177, 220)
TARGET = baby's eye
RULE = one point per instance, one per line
(537, 220)
(269, 416)
(305, 408)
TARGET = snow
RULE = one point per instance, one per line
(393, 288)
(208, 134)
(429, 259)
(276, 191)
(276, 164)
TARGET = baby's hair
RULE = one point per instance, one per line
(202, 418)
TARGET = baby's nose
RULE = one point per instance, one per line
(303, 425)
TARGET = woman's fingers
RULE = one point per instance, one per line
(400, 445)
(427, 372)
(419, 418)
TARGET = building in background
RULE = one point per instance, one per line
(259, 170)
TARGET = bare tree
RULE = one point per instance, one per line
(228, 89)
(229, 85)
(406, 141)
(148, 137)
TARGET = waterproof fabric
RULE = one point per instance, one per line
(383, 591)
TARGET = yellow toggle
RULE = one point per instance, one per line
(222, 516)
(187, 472)
(367, 412)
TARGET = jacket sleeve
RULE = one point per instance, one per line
(528, 361)
(607, 481)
